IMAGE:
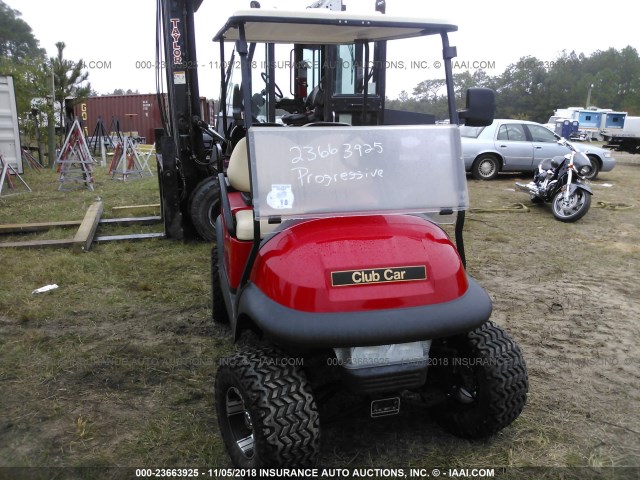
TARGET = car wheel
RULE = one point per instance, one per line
(486, 167)
(266, 413)
(485, 379)
(595, 167)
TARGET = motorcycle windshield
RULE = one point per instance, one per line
(337, 171)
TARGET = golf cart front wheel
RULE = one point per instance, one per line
(266, 413)
(485, 381)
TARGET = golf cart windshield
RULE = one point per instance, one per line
(329, 171)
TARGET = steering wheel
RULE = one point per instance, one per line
(277, 88)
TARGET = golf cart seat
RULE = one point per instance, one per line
(238, 174)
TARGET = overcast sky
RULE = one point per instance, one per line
(121, 33)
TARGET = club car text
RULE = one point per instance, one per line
(378, 275)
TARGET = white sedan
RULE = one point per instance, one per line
(519, 146)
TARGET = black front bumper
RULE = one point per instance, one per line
(289, 327)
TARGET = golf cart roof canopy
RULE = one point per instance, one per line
(325, 27)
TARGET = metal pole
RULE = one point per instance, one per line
(589, 96)
(103, 153)
(51, 122)
(35, 113)
(449, 52)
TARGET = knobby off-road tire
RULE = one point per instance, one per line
(218, 309)
(204, 208)
(266, 412)
(490, 392)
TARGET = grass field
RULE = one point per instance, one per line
(116, 366)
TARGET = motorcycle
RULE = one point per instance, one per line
(561, 181)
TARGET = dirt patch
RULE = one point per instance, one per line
(568, 293)
(116, 367)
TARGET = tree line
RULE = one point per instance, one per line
(37, 79)
(531, 89)
(528, 89)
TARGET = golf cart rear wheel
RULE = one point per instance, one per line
(266, 412)
(486, 383)
(218, 310)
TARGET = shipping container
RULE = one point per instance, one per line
(137, 114)
(9, 131)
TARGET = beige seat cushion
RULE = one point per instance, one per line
(238, 174)
(238, 169)
(244, 225)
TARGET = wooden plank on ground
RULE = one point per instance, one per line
(84, 235)
(36, 227)
(46, 226)
(38, 243)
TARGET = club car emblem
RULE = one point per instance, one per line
(368, 276)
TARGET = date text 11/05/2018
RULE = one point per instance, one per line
(314, 472)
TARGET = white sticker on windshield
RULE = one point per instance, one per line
(280, 197)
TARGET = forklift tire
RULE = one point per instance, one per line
(266, 412)
(218, 309)
(204, 208)
(486, 383)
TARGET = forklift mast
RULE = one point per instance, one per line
(329, 83)
(181, 153)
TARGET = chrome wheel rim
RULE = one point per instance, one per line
(566, 208)
(240, 422)
(487, 168)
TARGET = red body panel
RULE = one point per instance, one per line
(294, 268)
(236, 251)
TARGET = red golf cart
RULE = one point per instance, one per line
(330, 249)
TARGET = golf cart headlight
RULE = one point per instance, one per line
(585, 170)
(607, 153)
(361, 357)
